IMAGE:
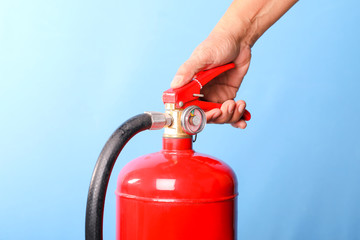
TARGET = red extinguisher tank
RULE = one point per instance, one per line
(176, 194)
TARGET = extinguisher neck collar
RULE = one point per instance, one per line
(176, 144)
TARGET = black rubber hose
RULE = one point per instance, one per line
(102, 172)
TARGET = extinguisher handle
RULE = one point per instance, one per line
(207, 75)
(207, 106)
(190, 93)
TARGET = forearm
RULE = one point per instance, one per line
(247, 20)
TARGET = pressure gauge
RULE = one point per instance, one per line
(193, 120)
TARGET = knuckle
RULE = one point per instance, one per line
(241, 102)
(204, 54)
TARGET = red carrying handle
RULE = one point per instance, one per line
(206, 76)
(189, 94)
(207, 106)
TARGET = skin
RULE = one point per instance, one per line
(231, 41)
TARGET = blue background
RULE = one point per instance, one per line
(72, 71)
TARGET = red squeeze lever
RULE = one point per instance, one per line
(190, 93)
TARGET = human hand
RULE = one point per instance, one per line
(230, 41)
(218, 49)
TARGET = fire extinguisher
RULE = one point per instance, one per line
(174, 194)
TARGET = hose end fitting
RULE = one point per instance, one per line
(159, 120)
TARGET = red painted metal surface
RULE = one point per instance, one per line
(185, 94)
(176, 194)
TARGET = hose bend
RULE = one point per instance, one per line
(102, 172)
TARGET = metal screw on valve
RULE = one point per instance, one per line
(193, 120)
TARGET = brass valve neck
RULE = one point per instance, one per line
(174, 130)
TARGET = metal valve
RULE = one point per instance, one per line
(193, 120)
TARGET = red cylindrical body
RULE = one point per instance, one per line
(176, 194)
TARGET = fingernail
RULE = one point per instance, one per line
(176, 81)
(241, 107)
(216, 115)
(231, 108)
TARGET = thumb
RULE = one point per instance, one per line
(186, 71)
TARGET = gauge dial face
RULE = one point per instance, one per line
(193, 120)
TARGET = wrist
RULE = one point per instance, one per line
(233, 25)
(247, 20)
